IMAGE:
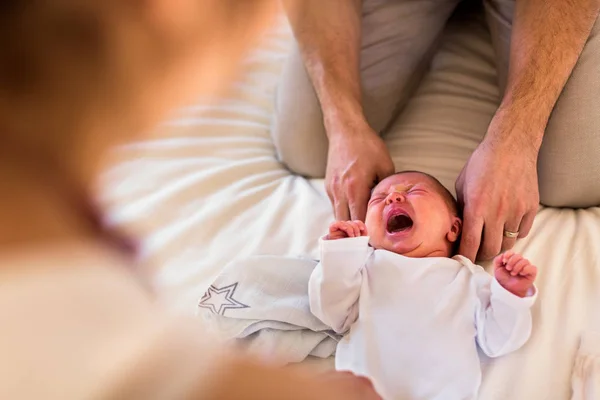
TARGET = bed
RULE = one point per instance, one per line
(207, 187)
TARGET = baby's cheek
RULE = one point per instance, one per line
(373, 221)
(375, 243)
(375, 232)
(376, 238)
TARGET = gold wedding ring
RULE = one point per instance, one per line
(511, 235)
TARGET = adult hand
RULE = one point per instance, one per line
(498, 190)
(356, 162)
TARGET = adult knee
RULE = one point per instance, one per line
(570, 182)
(297, 127)
(300, 145)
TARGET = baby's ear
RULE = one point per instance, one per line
(455, 230)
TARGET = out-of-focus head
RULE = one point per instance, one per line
(413, 214)
(78, 76)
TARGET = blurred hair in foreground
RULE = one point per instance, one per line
(79, 76)
(76, 78)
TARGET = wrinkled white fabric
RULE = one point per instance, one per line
(208, 189)
(586, 371)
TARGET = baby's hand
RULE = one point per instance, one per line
(345, 229)
(515, 273)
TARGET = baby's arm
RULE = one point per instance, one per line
(334, 285)
(503, 315)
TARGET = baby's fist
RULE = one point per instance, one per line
(345, 229)
(515, 273)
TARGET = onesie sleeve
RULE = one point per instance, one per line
(335, 283)
(503, 320)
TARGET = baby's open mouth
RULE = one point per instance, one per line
(399, 223)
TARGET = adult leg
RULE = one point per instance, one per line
(448, 116)
(569, 159)
(398, 39)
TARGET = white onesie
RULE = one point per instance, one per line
(414, 322)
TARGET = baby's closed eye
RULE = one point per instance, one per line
(376, 199)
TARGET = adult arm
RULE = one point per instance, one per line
(329, 37)
(498, 186)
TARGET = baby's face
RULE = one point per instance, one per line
(408, 214)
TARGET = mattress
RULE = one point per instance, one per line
(207, 188)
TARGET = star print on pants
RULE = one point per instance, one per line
(219, 300)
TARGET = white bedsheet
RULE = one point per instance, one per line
(208, 188)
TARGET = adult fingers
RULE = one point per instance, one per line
(386, 171)
(340, 206)
(512, 225)
(492, 240)
(458, 188)
(527, 223)
(471, 236)
(358, 198)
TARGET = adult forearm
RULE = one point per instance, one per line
(547, 39)
(328, 34)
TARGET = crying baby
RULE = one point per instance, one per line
(412, 314)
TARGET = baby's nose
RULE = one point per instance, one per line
(395, 197)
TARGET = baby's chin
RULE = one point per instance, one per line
(402, 247)
(414, 249)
